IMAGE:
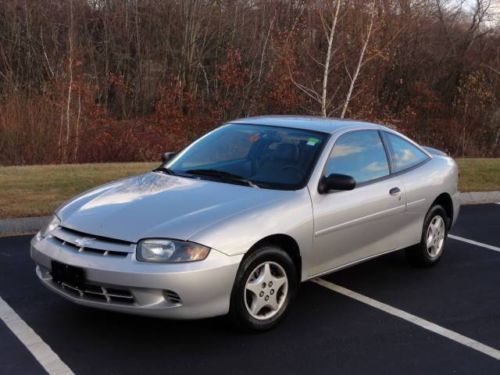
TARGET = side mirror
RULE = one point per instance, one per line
(336, 182)
(167, 156)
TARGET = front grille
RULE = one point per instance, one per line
(97, 293)
(89, 244)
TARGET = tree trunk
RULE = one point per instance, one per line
(360, 63)
(70, 84)
(326, 71)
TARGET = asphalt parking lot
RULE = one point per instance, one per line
(326, 332)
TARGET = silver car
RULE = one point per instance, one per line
(234, 222)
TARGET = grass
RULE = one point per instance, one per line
(479, 174)
(39, 190)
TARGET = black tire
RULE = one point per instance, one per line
(419, 255)
(238, 311)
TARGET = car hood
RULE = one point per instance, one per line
(159, 205)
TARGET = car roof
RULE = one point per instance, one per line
(319, 124)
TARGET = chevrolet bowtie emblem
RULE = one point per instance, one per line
(84, 241)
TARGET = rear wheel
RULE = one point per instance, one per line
(431, 247)
(265, 284)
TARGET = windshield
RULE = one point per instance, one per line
(254, 155)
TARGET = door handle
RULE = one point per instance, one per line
(395, 191)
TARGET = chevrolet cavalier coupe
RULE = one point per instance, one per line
(234, 222)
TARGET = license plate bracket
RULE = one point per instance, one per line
(71, 275)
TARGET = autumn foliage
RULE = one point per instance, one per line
(112, 80)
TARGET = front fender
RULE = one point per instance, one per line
(237, 234)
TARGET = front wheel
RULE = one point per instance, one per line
(431, 247)
(265, 284)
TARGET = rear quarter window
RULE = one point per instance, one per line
(404, 155)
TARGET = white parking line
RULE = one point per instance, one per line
(472, 242)
(473, 344)
(49, 360)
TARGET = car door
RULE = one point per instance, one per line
(353, 225)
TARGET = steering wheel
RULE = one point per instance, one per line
(293, 167)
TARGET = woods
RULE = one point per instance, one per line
(125, 80)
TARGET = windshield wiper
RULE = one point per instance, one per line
(223, 176)
(164, 170)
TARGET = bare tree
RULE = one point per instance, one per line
(353, 78)
(330, 34)
(70, 83)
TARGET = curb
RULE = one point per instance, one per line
(480, 197)
(22, 225)
(30, 225)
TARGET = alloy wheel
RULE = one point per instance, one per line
(436, 233)
(266, 290)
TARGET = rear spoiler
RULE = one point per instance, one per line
(434, 151)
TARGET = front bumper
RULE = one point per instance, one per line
(178, 291)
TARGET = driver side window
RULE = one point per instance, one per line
(359, 154)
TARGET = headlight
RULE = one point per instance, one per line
(52, 224)
(170, 251)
